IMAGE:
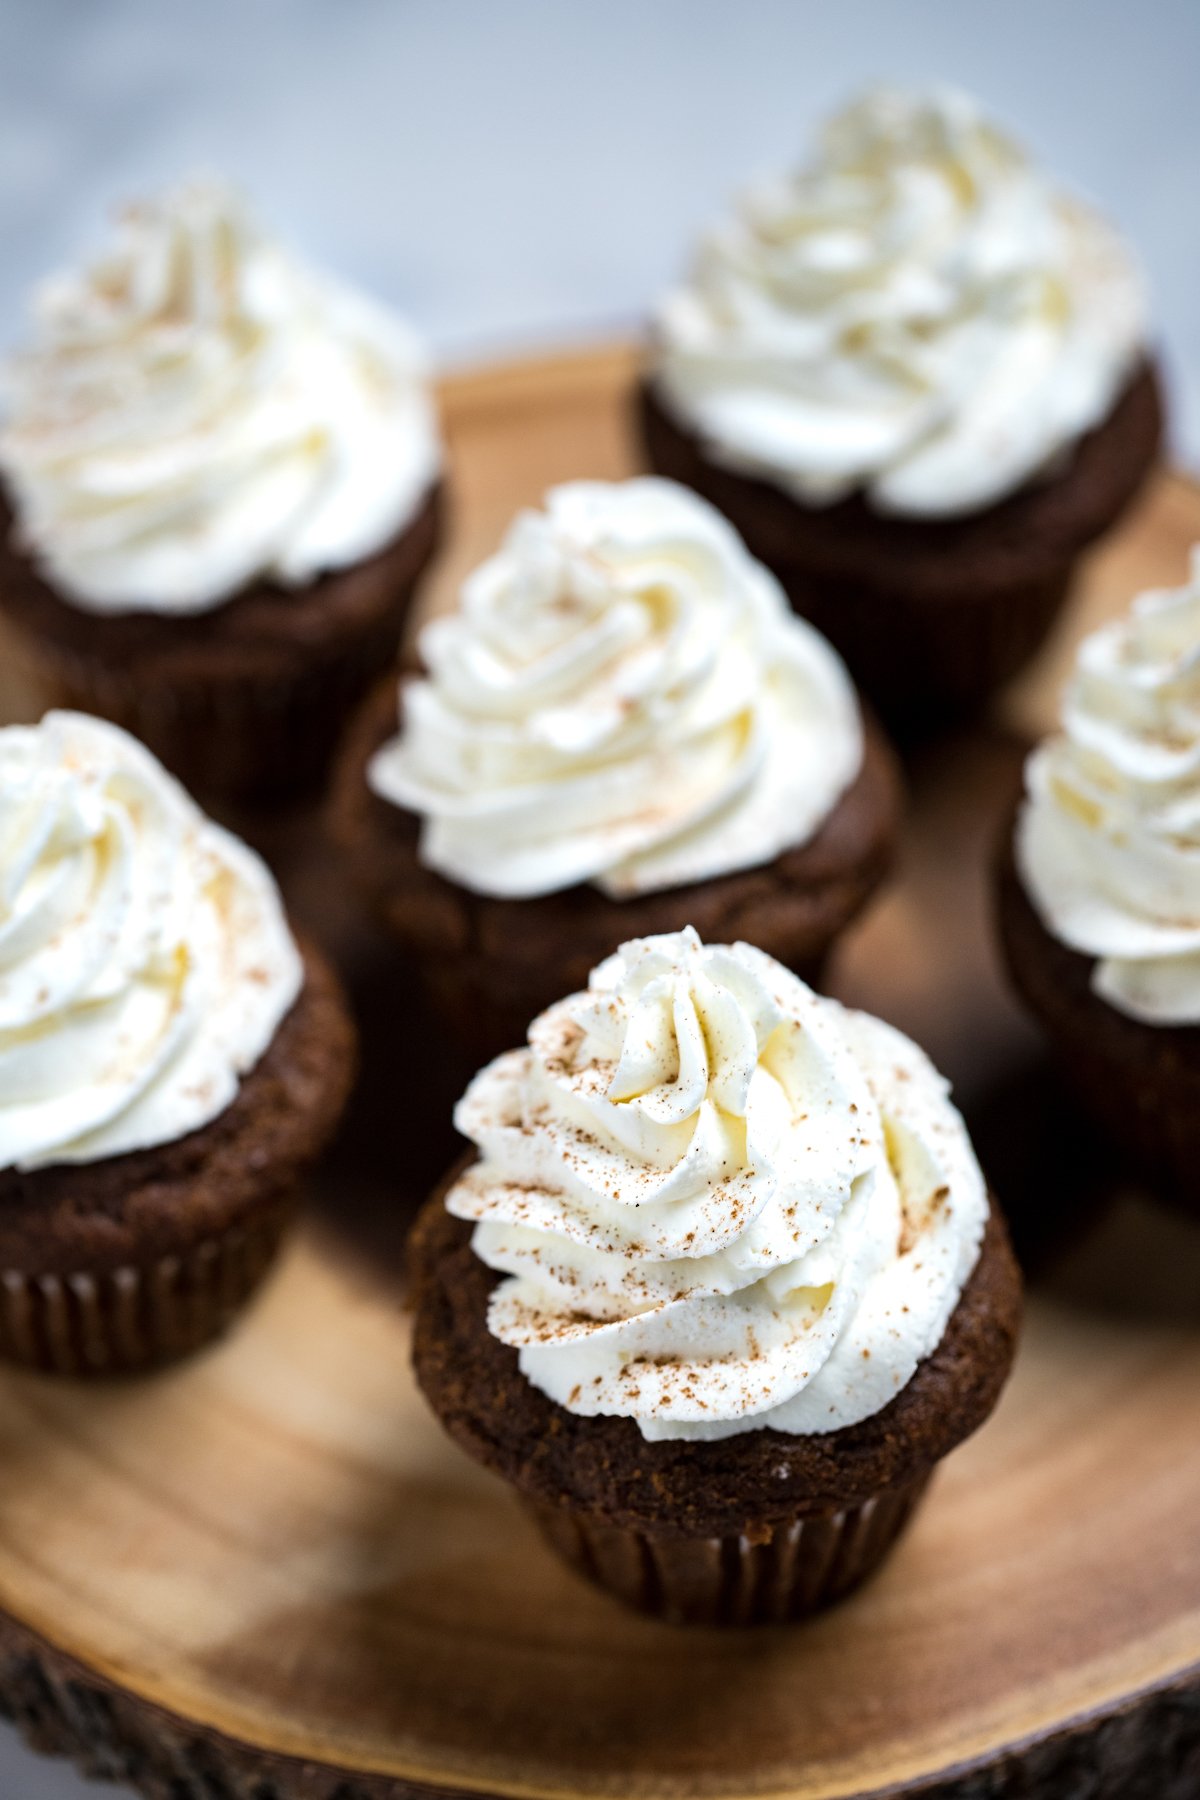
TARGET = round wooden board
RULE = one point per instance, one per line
(267, 1576)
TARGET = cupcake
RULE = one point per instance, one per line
(1099, 890)
(622, 730)
(171, 1059)
(720, 1287)
(915, 377)
(221, 481)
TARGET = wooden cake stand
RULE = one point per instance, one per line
(267, 1575)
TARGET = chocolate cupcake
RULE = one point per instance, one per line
(721, 1287)
(222, 489)
(623, 730)
(171, 1060)
(1099, 885)
(915, 377)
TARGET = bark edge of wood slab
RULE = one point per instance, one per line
(1146, 1747)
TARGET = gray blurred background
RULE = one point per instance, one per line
(519, 173)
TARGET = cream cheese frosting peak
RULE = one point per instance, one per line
(1108, 841)
(917, 314)
(718, 1201)
(145, 962)
(199, 410)
(625, 698)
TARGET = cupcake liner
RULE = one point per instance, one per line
(247, 736)
(116, 1321)
(919, 656)
(794, 1568)
(247, 705)
(1150, 1115)
(480, 1021)
(1139, 1084)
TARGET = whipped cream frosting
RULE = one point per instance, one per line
(917, 314)
(719, 1201)
(1108, 841)
(145, 962)
(200, 410)
(624, 698)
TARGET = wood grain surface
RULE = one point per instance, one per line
(267, 1576)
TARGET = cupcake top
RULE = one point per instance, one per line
(145, 962)
(916, 314)
(1108, 839)
(624, 698)
(720, 1201)
(199, 410)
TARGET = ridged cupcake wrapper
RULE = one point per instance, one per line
(136, 1317)
(1149, 1113)
(1138, 1083)
(799, 1567)
(246, 737)
(915, 658)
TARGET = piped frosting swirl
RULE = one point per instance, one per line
(719, 1201)
(145, 961)
(917, 314)
(625, 698)
(200, 410)
(1108, 840)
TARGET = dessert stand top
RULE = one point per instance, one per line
(267, 1576)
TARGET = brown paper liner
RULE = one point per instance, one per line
(1138, 1083)
(249, 738)
(118, 1321)
(245, 712)
(795, 1568)
(925, 662)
